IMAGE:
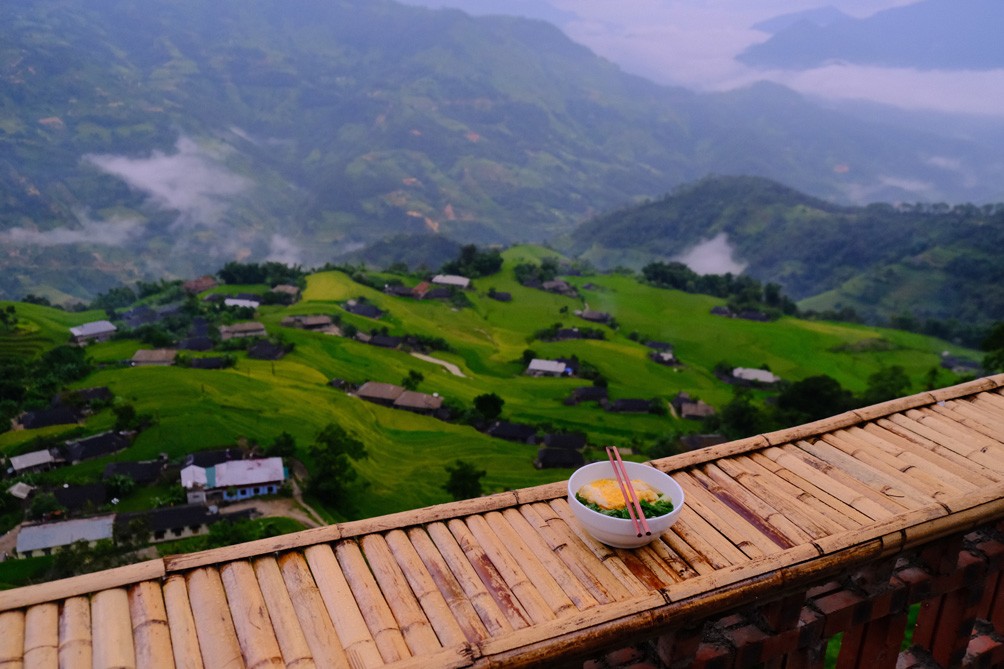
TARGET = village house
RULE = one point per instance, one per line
(379, 393)
(364, 309)
(94, 446)
(238, 330)
(241, 303)
(288, 292)
(575, 441)
(94, 331)
(538, 367)
(35, 461)
(46, 538)
(630, 405)
(216, 362)
(664, 358)
(170, 523)
(81, 499)
(499, 295)
(452, 280)
(213, 457)
(550, 458)
(525, 434)
(587, 394)
(308, 322)
(417, 402)
(143, 472)
(21, 490)
(157, 357)
(691, 409)
(398, 290)
(61, 414)
(754, 376)
(233, 481)
(594, 316)
(266, 350)
(560, 287)
(199, 285)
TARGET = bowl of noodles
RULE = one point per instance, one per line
(598, 504)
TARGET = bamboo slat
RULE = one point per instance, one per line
(181, 623)
(151, 634)
(525, 574)
(360, 647)
(741, 534)
(769, 473)
(699, 533)
(529, 544)
(75, 647)
(311, 613)
(955, 453)
(456, 565)
(490, 578)
(597, 580)
(689, 561)
(417, 629)
(975, 415)
(867, 500)
(764, 486)
(910, 454)
(963, 447)
(377, 614)
(217, 637)
(112, 630)
(81, 585)
(12, 640)
(292, 643)
(252, 622)
(766, 518)
(470, 614)
(434, 605)
(603, 553)
(41, 636)
(956, 430)
(903, 475)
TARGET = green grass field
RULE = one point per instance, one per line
(201, 409)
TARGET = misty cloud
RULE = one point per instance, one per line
(284, 250)
(114, 232)
(191, 181)
(714, 256)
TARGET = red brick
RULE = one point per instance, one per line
(823, 589)
(713, 656)
(732, 620)
(624, 656)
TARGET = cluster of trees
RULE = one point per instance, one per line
(474, 263)
(742, 292)
(30, 384)
(270, 273)
(529, 273)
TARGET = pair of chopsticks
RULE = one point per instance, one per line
(630, 496)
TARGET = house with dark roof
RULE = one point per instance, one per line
(83, 397)
(519, 432)
(667, 358)
(238, 330)
(399, 290)
(143, 472)
(62, 414)
(202, 343)
(266, 350)
(722, 310)
(94, 446)
(170, 523)
(630, 405)
(364, 309)
(288, 292)
(587, 394)
(81, 499)
(379, 393)
(594, 316)
(500, 295)
(138, 317)
(46, 538)
(575, 441)
(384, 341)
(318, 322)
(157, 357)
(560, 287)
(199, 285)
(213, 457)
(692, 442)
(209, 363)
(551, 458)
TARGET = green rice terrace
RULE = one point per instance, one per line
(487, 340)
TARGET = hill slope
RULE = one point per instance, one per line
(139, 140)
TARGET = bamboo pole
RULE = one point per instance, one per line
(987, 422)
(181, 623)
(910, 454)
(372, 605)
(699, 533)
(528, 542)
(218, 641)
(730, 524)
(822, 474)
(923, 475)
(956, 431)
(434, 606)
(416, 627)
(151, 634)
(75, 647)
(252, 621)
(492, 580)
(963, 447)
(41, 636)
(496, 619)
(80, 585)
(957, 454)
(771, 474)
(526, 576)
(601, 552)
(110, 624)
(470, 613)
(292, 643)
(311, 613)
(12, 640)
(588, 571)
(684, 560)
(360, 647)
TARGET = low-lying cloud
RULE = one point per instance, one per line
(714, 256)
(190, 181)
(119, 231)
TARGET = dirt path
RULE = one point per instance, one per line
(294, 507)
(450, 367)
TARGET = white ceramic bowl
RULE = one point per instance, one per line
(620, 532)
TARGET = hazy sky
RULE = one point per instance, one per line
(694, 43)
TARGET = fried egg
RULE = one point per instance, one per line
(606, 493)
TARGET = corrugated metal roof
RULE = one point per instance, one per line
(513, 580)
(64, 533)
(93, 329)
(33, 459)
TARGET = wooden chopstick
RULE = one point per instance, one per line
(628, 491)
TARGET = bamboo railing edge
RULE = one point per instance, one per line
(162, 567)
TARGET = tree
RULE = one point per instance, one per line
(283, 446)
(489, 405)
(993, 344)
(332, 476)
(886, 384)
(411, 381)
(464, 481)
(740, 417)
(120, 485)
(812, 398)
(125, 416)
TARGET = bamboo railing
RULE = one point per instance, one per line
(785, 540)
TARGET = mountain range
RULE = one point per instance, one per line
(143, 140)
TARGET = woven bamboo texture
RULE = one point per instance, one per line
(513, 580)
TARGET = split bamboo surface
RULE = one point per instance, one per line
(514, 580)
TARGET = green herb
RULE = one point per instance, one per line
(659, 507)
